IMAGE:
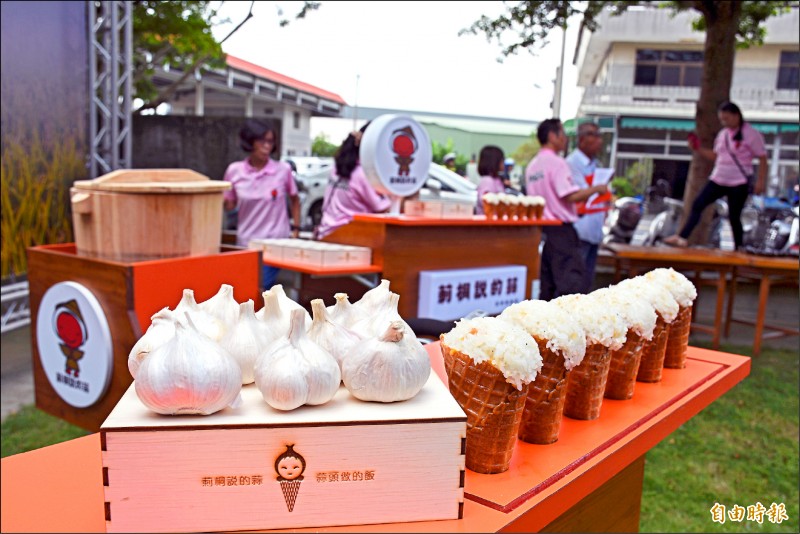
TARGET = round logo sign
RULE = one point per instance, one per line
(74, 343)
(395, 153)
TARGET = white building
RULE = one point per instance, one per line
(641, 75)
(244, 89)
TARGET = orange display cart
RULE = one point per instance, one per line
(129, 294)
(589, 480)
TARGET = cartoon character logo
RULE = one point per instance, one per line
(404, 144)
(71, 330)
(290, 466)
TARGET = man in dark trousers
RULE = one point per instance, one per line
(562, 269)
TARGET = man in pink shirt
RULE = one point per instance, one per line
(562, 268)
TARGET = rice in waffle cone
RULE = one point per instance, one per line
(544, 405)
(493, 407)
(678, 339)
(652, 362)
(586, 384)
(623, 368)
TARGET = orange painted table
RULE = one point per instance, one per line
(636, 259)
(590, 479)
(403, 245)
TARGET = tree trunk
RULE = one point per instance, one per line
(722, 21)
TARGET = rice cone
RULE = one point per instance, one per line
(653, 351)
(544, 405)
(493, 407)
(678, 339)
(624, 367)
(586, 384)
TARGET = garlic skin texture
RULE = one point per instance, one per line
(190, 374)
(222, 306)
(205, 323)
(373, 298)
(382, 313)
(246, 340)
(296, 371)
(161, 330)
(344, 313)
(279, 306)
(334, 338)
(389, 368)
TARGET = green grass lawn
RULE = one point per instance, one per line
(741, 450)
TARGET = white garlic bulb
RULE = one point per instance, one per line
(344, 313)
(374, 297)
(284, 306)
(334, 338)
(222, 306)
(383, 312)
(391, 367)
(296, 371)
(246, 340)
(161, 330)
(189, 374)
(204, 322)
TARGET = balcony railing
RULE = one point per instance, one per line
(681, 98)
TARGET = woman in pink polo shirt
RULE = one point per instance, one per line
(349, 192)
(261, 188)
(735, 147)
(490, 166)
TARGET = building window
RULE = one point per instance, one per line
(682, 68)
(789, 71)
(296, 120)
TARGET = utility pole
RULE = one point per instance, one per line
(559, 76)
(355, 106)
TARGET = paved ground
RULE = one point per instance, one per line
(16, 387)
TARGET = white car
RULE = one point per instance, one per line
(442, 184)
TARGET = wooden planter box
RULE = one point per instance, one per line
(147, 214)
(364, 463)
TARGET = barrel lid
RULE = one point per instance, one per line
(153, 181)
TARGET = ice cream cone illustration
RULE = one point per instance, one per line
(290, 467)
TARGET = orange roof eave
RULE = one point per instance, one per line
(256, 70)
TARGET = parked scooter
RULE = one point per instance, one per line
(770, 227)
(623, 218)
(667, 223)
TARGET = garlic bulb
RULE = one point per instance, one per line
(203, 321)
(246, 340)
(296, 371)
(334, 338)
(161, 330)
(284, 304)
(189, 374)
(344, 313)
(391, 367)
(383, 312)
(372, 298)
(222, 306)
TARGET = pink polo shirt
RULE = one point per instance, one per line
(488, 184)
(261, 195)
(345, 198)
(726, 172)
(549, 176)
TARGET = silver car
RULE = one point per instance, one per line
(442, 184)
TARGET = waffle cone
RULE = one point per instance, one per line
(493, 408)
(678, 339)
(538, 211)
(544, 405)
(652, 362)
(624, 367)
(290, 489)
(586, 384)
(490, 210)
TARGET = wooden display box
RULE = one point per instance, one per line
(362, 463)
(129, 294)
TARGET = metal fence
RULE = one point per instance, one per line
(16, 311)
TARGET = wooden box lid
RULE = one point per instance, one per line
(153, 181)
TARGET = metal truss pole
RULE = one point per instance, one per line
(110, 73)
